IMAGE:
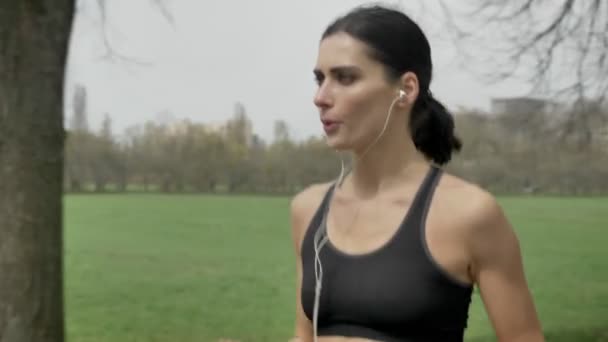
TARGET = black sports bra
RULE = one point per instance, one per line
(395, 293)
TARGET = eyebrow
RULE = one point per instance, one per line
(342, 68)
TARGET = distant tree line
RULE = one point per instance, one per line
(535, 152)
(509, 153)
(185, 157)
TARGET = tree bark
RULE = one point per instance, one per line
(34, 36)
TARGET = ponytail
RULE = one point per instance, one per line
(432, 129)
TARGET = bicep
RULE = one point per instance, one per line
(499, 273)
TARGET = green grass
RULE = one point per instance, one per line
(199, 268)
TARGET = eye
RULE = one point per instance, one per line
(319, 78)
(345, 78)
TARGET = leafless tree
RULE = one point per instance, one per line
(559, 47)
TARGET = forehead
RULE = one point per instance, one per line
(343, 49)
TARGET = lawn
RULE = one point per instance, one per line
(200, 268)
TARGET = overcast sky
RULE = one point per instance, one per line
(260, 53)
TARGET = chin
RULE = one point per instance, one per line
(337, 142)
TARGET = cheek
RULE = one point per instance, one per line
(364, 111)
(355, 98)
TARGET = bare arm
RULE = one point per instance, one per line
(498, 271)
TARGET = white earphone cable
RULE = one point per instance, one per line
(321, 237)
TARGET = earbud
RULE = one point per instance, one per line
(401, 94)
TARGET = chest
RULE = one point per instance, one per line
(361, 228)
(380, 289)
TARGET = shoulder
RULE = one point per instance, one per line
(468, 200)
(308, 199)
(477, 213)
(303, 206)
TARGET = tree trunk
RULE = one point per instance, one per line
(33, 48)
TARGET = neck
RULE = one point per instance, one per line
(391, 161)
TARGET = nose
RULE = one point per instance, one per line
(323, 98)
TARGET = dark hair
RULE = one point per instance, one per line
(398, 42)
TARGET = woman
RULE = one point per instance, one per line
(392, 250)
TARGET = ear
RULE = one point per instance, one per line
(409, 84)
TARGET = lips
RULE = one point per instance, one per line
(330, 126)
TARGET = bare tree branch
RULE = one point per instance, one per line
(460, 34)
(519, 11)
(162, 6)
(566, 9)
(556, 48)
(565, 51)
(110, 53)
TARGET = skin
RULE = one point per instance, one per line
(468, 233)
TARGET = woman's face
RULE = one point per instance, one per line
(354, 94)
